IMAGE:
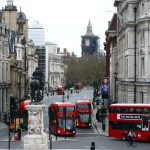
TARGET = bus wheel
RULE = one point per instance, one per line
(149, 139)
(123, 137)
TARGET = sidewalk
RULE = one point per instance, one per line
(98, 125)
(3, 126)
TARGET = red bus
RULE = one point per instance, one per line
(83, 113)
(19, 117)
(24, 114)
(62, 118)
(60, 90)
(78, 86)
(123, 117)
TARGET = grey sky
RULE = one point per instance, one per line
(66, 20)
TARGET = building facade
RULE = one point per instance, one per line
(5, 67)
(110, 46)
(133, 51)
(54, 66)
(14, 56)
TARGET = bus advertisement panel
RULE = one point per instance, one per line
(123, 117)
(62, 118)
(83, 113)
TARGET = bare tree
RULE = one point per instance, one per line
(85, 69)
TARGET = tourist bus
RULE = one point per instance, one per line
(78, 86)
(60, 90)
(19, 116)
(24, 114)
(123, 117)
(62, 118)
(83, 113)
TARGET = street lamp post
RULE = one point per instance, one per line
(23, 42)
(20, 72)
(9, 130)
(19, 129)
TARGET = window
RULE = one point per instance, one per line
(126, 125)
(126, 68)
(83, 106)
(142, 66)
(20, 28)
(142, 37)
(68, 109)
(3, 72)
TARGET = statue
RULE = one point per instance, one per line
(37, 86)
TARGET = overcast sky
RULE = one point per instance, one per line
(65, 21)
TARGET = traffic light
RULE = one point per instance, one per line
(13, 103)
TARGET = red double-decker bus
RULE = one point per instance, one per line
(60, 90)
(19, 115)
(62, 118)
(123, 117)
(23, 114)
(83, 113)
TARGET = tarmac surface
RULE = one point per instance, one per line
(96, 124)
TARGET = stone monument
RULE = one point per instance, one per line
(36, 139)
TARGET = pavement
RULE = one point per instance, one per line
(98, 125)
(3, 126)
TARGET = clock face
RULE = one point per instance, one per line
(87, 42)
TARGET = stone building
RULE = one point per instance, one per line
(17, 22)
(110, 46)
(5, 67)
(133, 52)
(16, 54)
(54, 65)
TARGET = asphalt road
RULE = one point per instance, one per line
(83, 137)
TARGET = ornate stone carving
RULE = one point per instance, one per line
(35, 121)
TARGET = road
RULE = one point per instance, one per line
(83, 137)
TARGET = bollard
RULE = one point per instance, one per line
(92, 145)
(50, 140)
(19, 133)
(103, 124)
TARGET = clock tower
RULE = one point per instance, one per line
(89, 42)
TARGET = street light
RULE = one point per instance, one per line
(20, 73)
(19, 129)
(23, 42)
(115, 88)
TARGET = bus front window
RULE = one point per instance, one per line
(69, 124)
(84, 118)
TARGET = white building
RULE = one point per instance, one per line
(133, 50)
(36, 33)
(32, 59)
(54, 74)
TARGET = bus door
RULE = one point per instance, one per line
(52, 121)
(145, 124)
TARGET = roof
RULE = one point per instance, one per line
(63, 104)
(83, 101)
(35, 24)
(89, 31)
(21, 17)
(128, 105)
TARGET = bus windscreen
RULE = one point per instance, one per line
(68, 109)
(83, 106)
